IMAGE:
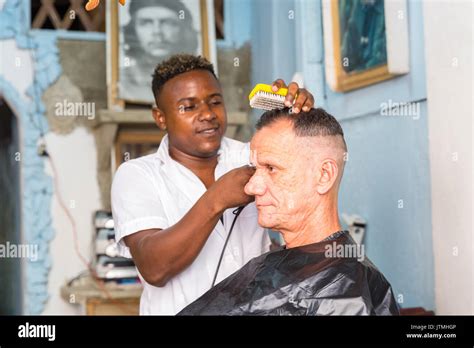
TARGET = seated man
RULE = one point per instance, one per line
(299, 164)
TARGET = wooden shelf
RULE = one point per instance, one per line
(86, 287)
(103, 298)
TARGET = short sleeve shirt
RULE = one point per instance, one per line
(154, 191)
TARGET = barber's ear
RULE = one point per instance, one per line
(159, 117)
(327, 176)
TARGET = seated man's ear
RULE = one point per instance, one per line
(328, 172)
(159, 117)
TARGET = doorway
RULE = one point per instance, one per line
(10, 214)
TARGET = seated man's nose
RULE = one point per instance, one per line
(255, 186)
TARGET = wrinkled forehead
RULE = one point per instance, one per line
(276, 141)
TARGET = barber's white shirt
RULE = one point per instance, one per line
(155, 191)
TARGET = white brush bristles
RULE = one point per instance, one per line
(267, 101)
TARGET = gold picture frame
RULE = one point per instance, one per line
(207, 49)
(338, 79)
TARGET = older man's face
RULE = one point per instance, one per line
(284, 181)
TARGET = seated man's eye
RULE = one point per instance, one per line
(270, 168)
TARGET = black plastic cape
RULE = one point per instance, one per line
(304, 280)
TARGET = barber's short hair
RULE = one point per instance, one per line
(178, 64)
(315, 122)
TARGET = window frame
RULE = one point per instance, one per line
(61, 33)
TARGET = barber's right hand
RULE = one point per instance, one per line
(229, 188)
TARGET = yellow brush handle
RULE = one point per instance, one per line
(261, 87)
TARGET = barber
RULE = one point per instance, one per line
(173, 209)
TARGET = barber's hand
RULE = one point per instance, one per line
(304, 99)
(229, 188)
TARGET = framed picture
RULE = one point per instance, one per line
(366, 41)
(143, 33)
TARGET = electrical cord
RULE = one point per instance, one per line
(236, 212)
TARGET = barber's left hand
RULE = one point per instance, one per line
(304, 99)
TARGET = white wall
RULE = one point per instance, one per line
(16, 66)
(74, 156)
(448, 30)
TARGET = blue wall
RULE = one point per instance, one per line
(388, 156)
